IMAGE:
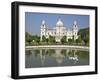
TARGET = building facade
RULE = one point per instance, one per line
(59, 31)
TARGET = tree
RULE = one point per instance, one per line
(84, 33)
(79, 40)
(43, 38)
(37, 39)
(51, 39)
(73, 38)
(86, 40)
(28, 37)
(47, 40)
(70, 40)
(63, 40)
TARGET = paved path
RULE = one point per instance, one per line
(58, 46)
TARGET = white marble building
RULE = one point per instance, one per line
(59, 30)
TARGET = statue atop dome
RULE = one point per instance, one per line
(59, 23)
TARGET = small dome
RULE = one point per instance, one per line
(59, 23)
(75, 22)
(43, 21)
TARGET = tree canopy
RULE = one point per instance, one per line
(63, 40)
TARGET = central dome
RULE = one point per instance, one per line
(59, 23)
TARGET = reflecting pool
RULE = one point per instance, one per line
(55, 57)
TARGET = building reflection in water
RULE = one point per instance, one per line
(55, 57)
(42, 56)
(58, 54)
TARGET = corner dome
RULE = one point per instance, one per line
(75, 22)
(43, 21)
(59, 23)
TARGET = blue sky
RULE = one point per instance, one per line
(33, 21)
